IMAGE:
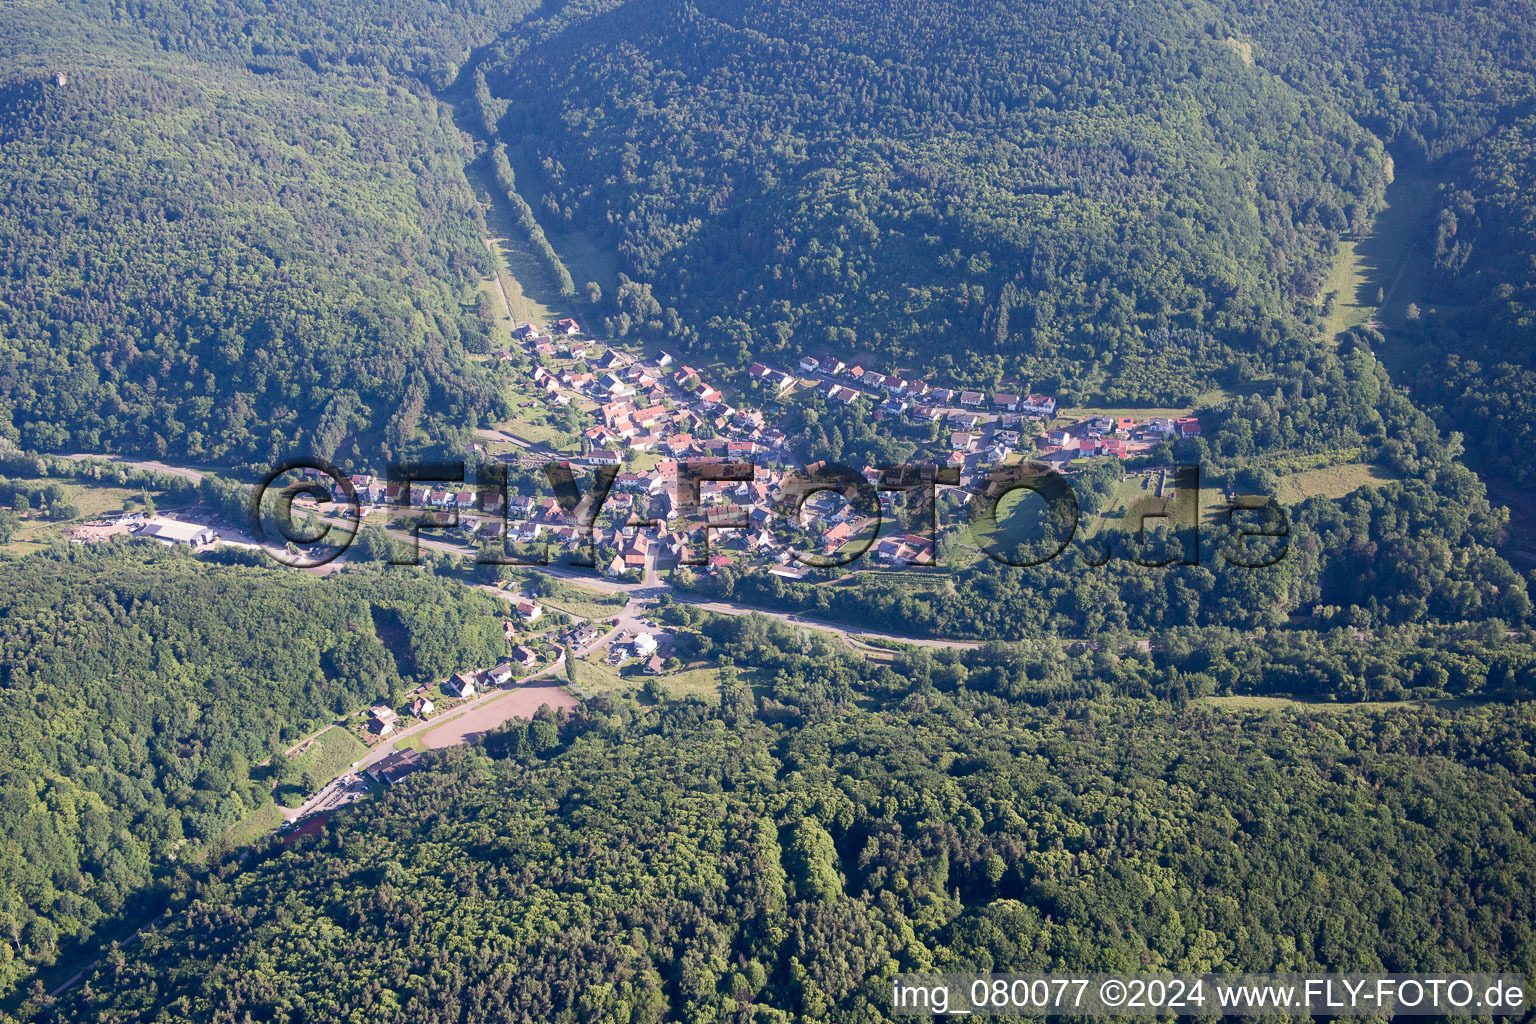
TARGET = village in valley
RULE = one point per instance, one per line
(641, 417)
(596, 408)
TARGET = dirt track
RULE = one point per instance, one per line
(519, 703)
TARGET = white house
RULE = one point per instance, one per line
(383, 719)
(460, 685)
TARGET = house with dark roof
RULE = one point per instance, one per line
(460, 685)
(395, 767)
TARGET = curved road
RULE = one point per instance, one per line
(650, 590)
(194, 475)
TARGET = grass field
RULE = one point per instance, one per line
(91, 501)
(642, 462)
(530, 292)
(416, 742)
(1021, 516)
(574, 599)
(698, 680)
(868, 534)
(501, 323)
(1354, 303)
(263, 821)
(1390, 260)
(595, 677)
(533, 425)
(585, 257)
(1112, 516)
(1256, 703)
(330, 753)
(531, 296)
(1142, 413)
(581, 609)
(1207, 400)
(1330, 481)
(1213, 504)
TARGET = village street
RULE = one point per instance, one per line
(642, 596)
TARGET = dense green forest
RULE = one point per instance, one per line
(223, 240)
(1469, 345)
(779, 855)
(140, 686)
(1121, 203)
(1116, 202)
(1096, 198)
(240, 230)
(1426, 77)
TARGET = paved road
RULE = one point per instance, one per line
(154, 467)
(651, 589)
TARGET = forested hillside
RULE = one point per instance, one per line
(1427, 77)
(1096, 198)
(1472, 341)
(781, 856)
(138, 688)
(1116, 203)
(231, 233)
